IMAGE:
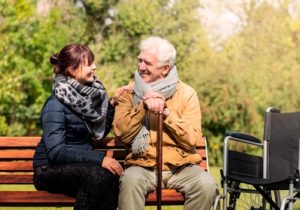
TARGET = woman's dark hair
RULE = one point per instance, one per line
(71, 56)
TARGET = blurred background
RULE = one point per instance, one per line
(241, 56)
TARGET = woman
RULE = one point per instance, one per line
(76, 113)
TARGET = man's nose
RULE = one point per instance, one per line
(142, 65)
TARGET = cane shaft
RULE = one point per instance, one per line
(159, 160)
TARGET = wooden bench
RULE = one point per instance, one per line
(16, 168)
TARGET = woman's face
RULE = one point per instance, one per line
(84, 73)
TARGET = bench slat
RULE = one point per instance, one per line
(203, 165)
(16, 179)
(169, 197)
(19, 154)
(16, 154)
(32, 141)
(19, 142)
(43, 198)
(118, 154)
(202, 153)
(26, 166)
(16, 166)
(108, 142)
(32, 198)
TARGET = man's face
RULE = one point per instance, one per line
(149, 68)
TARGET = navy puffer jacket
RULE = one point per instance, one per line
(65, 138)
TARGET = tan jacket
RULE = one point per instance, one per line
(181, 129)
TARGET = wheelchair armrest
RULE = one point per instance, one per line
(243, 136)
(233, 160)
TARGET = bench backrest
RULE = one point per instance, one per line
(16, 156)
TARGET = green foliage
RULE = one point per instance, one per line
(255, 70)
(252, 70)
(136, 25)
(27, 42)
(114, 49)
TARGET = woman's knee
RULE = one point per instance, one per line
(99, 176)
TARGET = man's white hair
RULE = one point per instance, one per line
(165, 50)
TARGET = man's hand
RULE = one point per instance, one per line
(155, 102)
(112, 165)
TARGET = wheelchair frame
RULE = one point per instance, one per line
(258, 162)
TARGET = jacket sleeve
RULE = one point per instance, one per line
(54, 129)
(186, 128)
(109, 119)
(128, 119)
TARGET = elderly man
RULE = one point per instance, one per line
(157, 89)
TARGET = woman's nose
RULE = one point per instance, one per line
(94, 66)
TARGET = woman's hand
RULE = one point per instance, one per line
(114, 100)
(112, 165)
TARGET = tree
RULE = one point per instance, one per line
(256, 69)
(27, 42)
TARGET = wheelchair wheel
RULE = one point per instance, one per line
(245, 197)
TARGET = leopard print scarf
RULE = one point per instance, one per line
(89, 102)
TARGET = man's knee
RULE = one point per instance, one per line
(130, 180)
(206, 183)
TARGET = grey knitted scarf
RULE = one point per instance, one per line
(89, 102)
(166, 87)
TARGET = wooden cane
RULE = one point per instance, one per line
(159, 159)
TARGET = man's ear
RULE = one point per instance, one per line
(166, 69)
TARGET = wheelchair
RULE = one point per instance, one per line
(256, 182)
